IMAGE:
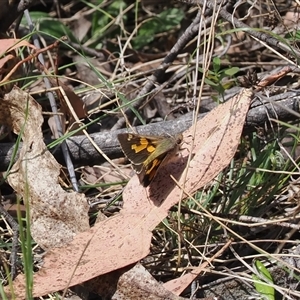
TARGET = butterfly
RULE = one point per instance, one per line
(148, 153)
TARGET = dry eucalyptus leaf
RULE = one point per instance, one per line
(138, 283)
(109, 245)
(9, 60)
(52, 122)
(71, 102)
(56, 216)
(130, 283)
(103, 174)
(7, 45)
(128, 235)
(80, 27)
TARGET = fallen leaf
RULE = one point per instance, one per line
(53, 122)
(56, 215)
(7, 45)
(135, 283)
(9, 61)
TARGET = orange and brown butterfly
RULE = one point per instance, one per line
(148, 153)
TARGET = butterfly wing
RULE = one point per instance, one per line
(147, 153)
(138, 148)
(149, 171)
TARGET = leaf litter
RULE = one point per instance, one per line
(127, 235)
(56, 215)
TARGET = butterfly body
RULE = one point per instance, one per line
(148, 153)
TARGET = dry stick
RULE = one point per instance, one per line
(83, 153)
(66, 153)
(90, 51)
(256, 222)
(189, 34)
(266, 38)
